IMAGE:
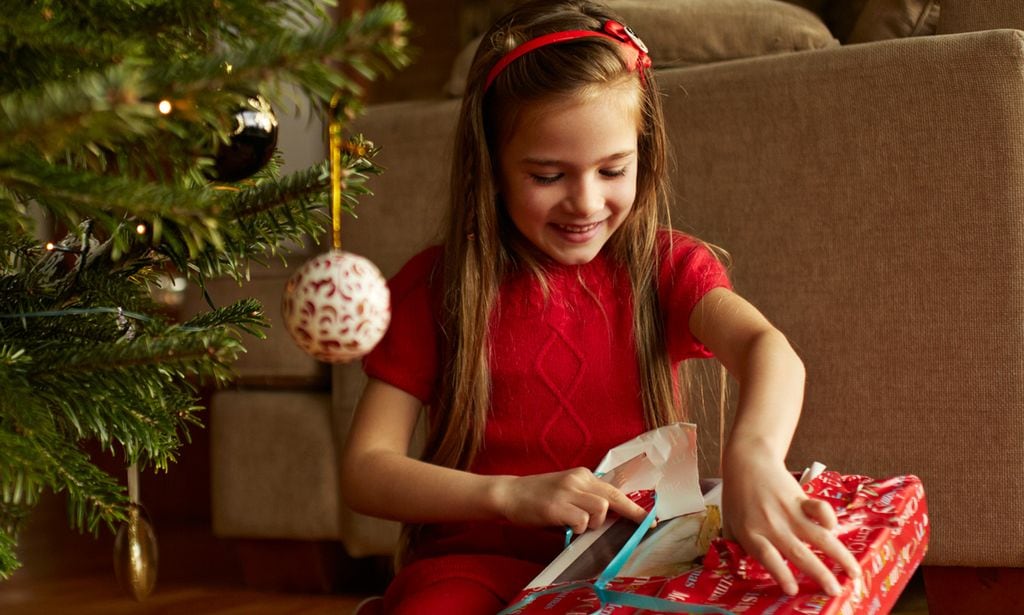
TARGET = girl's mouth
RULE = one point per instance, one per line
(578, 233)
(576, 228)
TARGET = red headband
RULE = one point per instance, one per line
(633, 49)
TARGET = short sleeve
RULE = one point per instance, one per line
(689, 270)
(407, 357)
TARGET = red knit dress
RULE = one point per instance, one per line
(564, 389)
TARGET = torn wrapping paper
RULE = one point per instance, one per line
(662, 462)
(672, 451)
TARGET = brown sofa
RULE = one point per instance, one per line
(872, 198)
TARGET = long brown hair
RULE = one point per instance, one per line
(481, 245)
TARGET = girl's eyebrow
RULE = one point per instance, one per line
(551, 162)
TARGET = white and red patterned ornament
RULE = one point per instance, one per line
(337, 306)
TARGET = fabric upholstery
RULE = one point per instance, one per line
(814, 6)
(888, 247)
(685, 32)
(362, 535)
(975, 15)
(273, 454)
(885, 19)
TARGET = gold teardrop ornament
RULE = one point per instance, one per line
(135, 554)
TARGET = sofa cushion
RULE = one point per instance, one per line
(273, 465)
(862, 21)
(973, 16)
(687, 32)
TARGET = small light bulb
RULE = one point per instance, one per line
(49, 246)
(141, 229)
(165, 107)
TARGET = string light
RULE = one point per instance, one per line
(120, 312)
(52, 247)
(140, 229)
(165, 107)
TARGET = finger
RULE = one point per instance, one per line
(831, 546)
(764, 552)
(595, 506)
(806, 561)
(821, 536)
(579, 521)
(620, 503)
(820, 512)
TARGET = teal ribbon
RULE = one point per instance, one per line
(606, 596)
(612, 569)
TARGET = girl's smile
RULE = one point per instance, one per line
(579, 234)
(568, 171)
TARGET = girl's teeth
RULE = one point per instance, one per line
(577, 229)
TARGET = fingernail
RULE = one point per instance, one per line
(834, 588)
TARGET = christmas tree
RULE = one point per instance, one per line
(120, 133)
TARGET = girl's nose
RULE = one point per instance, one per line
(586, 199)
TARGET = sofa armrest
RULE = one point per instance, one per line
(974, 15)
(872, 198)
(401, 218)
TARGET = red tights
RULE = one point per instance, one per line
(463, 584)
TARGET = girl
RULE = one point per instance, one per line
(547, 327)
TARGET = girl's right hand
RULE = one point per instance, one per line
(572, 498)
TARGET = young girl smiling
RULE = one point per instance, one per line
(548, 326)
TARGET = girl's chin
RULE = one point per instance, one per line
(575, 254)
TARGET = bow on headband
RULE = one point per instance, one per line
(634, 52)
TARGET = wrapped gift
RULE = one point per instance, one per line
(884, 523)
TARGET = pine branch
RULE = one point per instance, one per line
(97, 108)
(103, 108)
(265, 216)
(75, 195)
(8, 562)
(110, 115)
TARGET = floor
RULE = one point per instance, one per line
(198, 576)
(101, 595)
(67, 572)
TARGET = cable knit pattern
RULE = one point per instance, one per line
(560, 366)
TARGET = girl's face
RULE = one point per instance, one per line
(568, 172)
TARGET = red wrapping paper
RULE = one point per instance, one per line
(884, 523)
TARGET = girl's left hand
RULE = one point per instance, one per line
(769, 515)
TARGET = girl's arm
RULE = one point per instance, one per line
(767, 511)
(379, 478)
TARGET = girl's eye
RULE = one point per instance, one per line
(613, 172)
(545, 179)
